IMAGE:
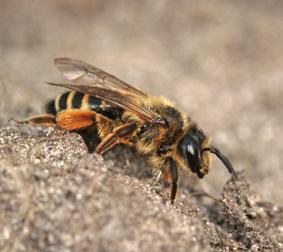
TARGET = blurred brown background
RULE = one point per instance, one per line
(221, 61)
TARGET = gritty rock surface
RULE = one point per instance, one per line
(55, 196)
(220, 61)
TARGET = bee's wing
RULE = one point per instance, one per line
(120, 99)
(95, 82)
(83, 73)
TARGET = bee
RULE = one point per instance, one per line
(123, 114)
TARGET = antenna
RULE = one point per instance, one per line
(224, 159)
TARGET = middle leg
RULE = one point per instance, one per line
(119, 135)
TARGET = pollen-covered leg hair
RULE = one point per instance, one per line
(224, 160)
(46, 120)
(73, 119)
(119, 135)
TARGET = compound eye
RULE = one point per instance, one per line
(193, 156)
(190, 149)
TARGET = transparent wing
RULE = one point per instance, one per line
(83, 73)
(95, 82)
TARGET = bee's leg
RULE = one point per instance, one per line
(74, 119)
(119, 135)
(158, 176)
(46, 120)
(174, 177)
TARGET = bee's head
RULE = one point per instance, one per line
(190, 149)
(194, 148)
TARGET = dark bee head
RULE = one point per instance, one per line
(194, 149)
(190, 149)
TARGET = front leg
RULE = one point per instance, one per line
(170, 175)
(174, 177)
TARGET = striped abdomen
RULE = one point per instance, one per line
(76, 100)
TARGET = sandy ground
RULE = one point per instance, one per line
(221, 61)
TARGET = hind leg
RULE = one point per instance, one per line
(46, 120)
(71, 119)
(75, 119)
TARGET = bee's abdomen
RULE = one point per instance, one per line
(62, 102)
(77, 100)
(102, 107)
(50, 107)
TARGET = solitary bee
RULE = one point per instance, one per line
(123, 114)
